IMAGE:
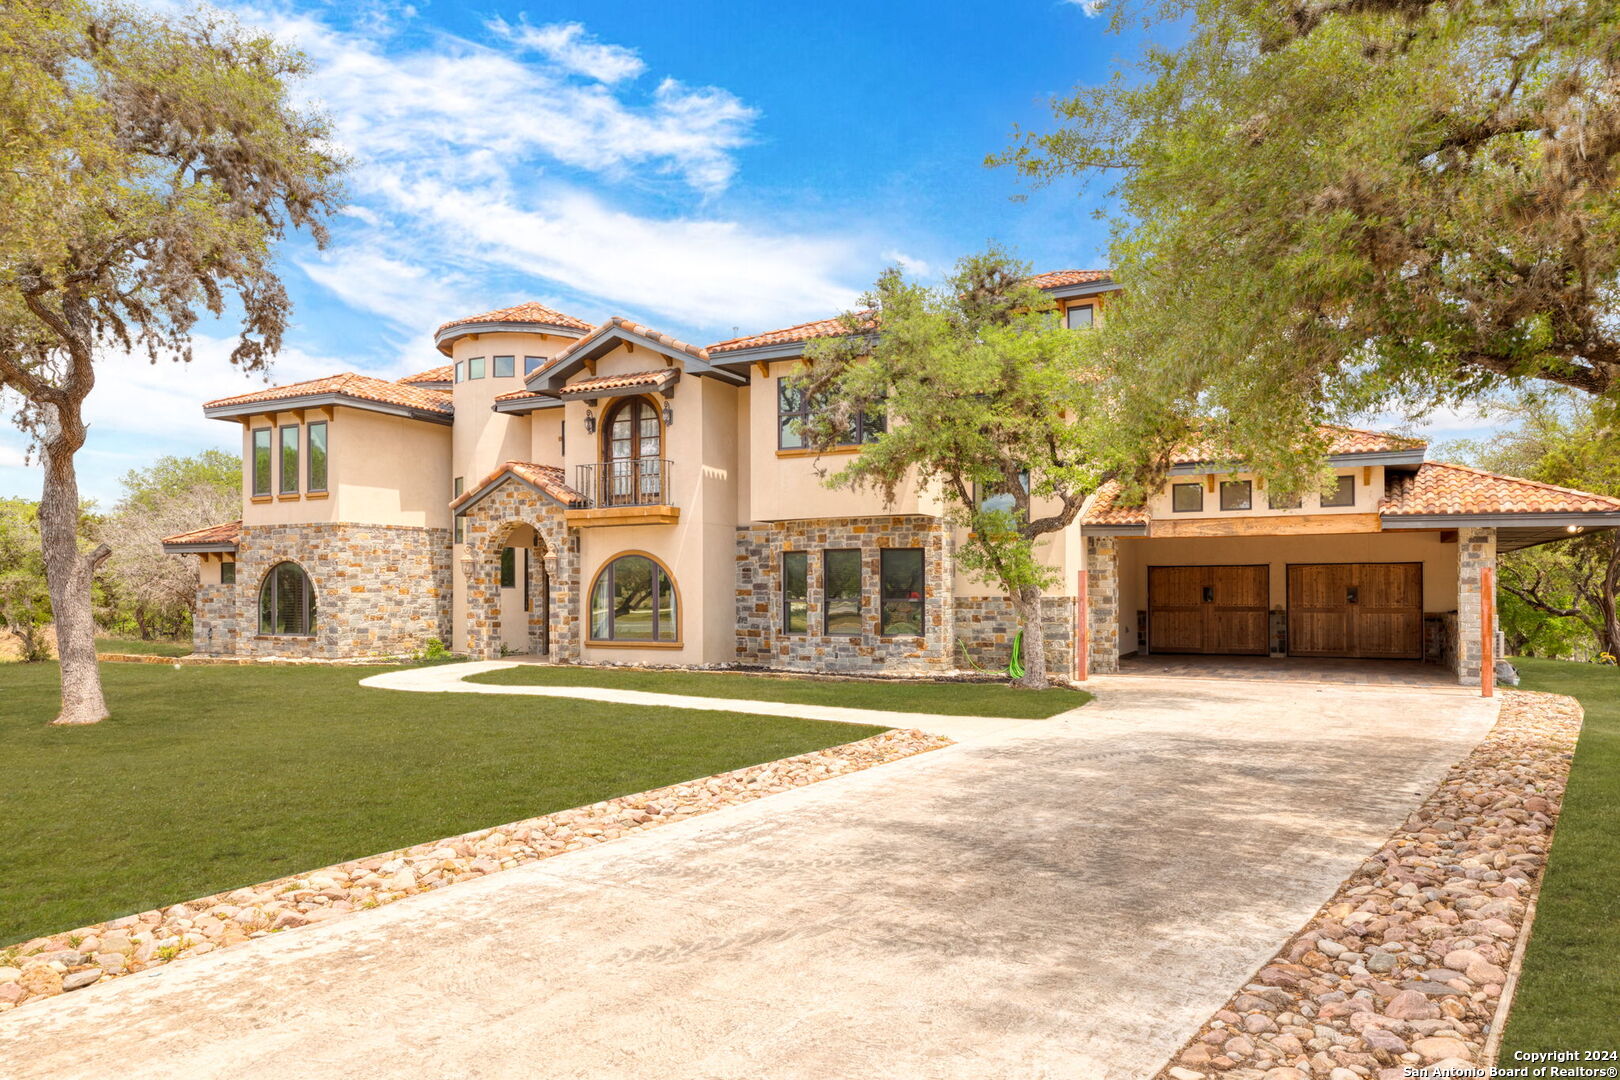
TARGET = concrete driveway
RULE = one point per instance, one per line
(1064, 898)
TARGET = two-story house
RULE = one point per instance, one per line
(609, 494)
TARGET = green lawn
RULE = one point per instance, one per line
(210, 778)
(950, 698)
(1569, 993)
(143, 648)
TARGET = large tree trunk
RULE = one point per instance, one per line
(1028, 602)
(1609, 600)
(68, 574)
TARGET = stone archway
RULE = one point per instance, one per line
(554, 588)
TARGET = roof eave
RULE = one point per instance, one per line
(448, 334)
(198, 549)
(315, 401)
(553, 376)
(1589, 518)
(523, 407)
(1413, 456)
(1139, 529)
(1084, 288)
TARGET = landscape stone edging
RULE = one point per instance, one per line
(1378, 983)
(57, 963)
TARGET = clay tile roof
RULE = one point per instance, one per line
(442, 374)
(821, 328)
(1340, 440)
(529, 312)
(655, 379)
(548, 478)
(1054, 279)
(620, 323)
(228, 533)
(1104, 508)
(1439, 488)
(522, 395)
(348, 384)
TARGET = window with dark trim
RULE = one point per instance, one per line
(841, 589)
(508, 568)
(461, 371)
(901, 600)
(794, 408)
(531, 364)
(1186, 498)
(227, 573)
(289, 460)
(1079, 316)
(317, 456)
(475, 368)
(287, 602)
(634, 599)
(796, 592)
(261, 461)
(502, 367)
(461, 522)
(1343, 493)
(1237, 495)
(562, 437)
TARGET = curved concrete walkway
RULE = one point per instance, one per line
(1065, 898)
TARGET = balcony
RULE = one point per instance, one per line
(634, 491)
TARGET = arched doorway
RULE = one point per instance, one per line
(633, 446)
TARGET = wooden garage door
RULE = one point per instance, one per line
(1208, 609)
(1356, 609)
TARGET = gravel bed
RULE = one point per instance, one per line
(59, 963)
(1403, 969)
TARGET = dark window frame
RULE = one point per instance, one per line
(281, 458)
(920, 599)
(227, 569)
(475, 372)
(461, 371)
(1248, 494)
(827, 597)
(788, 600)
(1091, 320)
(868, 426)
(309, 456)
(495, 366)
(508, 567)
(660, 578)
(269, 462)
(1174, 509)
(1342, 482)
(531, 364)
(306, 602)
(459, 535)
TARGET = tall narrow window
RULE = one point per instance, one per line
(841, 585)
(795, 591)
(289, 459)
(503, 367)
(261, 461)
(633, 599)
(286, 601)
(562, 437)
(475, 368)
(1342, 493)
(317, 456)
(508, 568)
(901, 573)
(461, 522)
(461, 371)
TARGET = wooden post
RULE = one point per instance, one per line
(1082, 632)
(1487, 631)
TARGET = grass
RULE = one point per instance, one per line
(212, 778)
(949, 698)
(1569, 992)
(142, 648)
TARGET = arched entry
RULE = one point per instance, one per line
(633, 448)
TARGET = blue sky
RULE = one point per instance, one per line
(697, 166)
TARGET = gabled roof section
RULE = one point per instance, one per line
(212, 538)
(442, 374)
(1456, 490)
(612, 334)
(641, 380)
(355, 391)
(1104, 509)
(530, 317)
(548, 480)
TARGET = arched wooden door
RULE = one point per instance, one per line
(634, 454)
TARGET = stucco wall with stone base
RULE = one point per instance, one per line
(380, 590)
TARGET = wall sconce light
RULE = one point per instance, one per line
(590, 422)
(669, 413)
(1574, 528)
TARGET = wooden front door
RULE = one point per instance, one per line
(1208, 609)
(634, 445)
(1366, 610)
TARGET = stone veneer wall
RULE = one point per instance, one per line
(380, 590)
(1102, 603)
(760, 638)
(987, 625)
(1476, 549)
(489, 525)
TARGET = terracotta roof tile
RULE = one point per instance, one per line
(348, 384)
(444, 373)
(1054, 279)
(228, 533)
(548, 478)
(529, 312)
(654, 379)
(1104, 508)
(1439, 488)
(523, 395)
(620, 323)
(821, 328)
(1340, 440)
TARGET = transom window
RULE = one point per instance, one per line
(287, 602)
(841, 590)
(1342, 493)
(634, 599)
(901, 607)
(1186, 498)
(1237, 495)
(794, 408)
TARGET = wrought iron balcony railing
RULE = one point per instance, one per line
(630, 482)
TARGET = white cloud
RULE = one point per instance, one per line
(918, 268)
(1092, 8)
(573, 49)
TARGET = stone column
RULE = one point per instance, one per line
(1102, 603)
(1476, 549)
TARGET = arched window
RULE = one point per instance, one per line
(287, 601)
(634, 599)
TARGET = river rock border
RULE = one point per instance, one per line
(1403, 969)
(47, 966)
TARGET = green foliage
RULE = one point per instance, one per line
(150, 489)
(25, 604)
(433, 651)
(1328, 208)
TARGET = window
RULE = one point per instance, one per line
(287, 601)
(461, 371)
(988, 503)
(794, 408)
(901, 571)
(1237, 495)
(317, 457)
(633, 599)
(796, 591)
(531, 364)
(289, 459)
(1280, 501)
(227, 573)
(461, 522)
(562, 437)
(503, 367)
(1079, 317)
(508, 568)
(841, 585)
(1187, 498)
(475, 368)
(1343, 493)
(261, 461)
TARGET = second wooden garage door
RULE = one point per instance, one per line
(1208, 609)
(1356, 609)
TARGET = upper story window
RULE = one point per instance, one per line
(531, 364)
(1237, 495)
(1079, 316)
(1343, 492)
(794, 408)
(461, 371)
(503, 367)
(261, 461)
(289, 460)
(317, 456)
(475, 368)
(1187, 498)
